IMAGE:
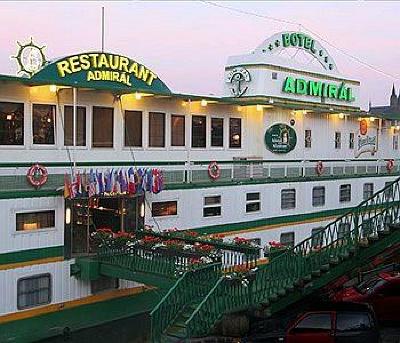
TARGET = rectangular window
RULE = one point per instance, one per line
(235, 133)
(103, 127)
(43, 124)
(164, 208)
(212, 206)
(318, 196)
(338, 140)
(274, 75)
(288, 199)
(103, 284)
(343, 230)
(317, 237)
(80, 128)
(217, 132)
(156, 129)
(368, 190)
(198, 132)
(307, 138)
(11, 123)
(345, 193)
(287, 239)
(177, 130)
(133, 128)
(35, 220)
(389, 190)
(253, 202)
(351, 140)
(33, 291)
(396, 142)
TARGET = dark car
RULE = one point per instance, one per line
(340, 323)
(381, 291)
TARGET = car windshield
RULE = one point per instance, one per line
(368, 286)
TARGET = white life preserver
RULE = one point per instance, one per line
(319, 168)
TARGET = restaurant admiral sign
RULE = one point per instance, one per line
(280, 138)
(101, 70)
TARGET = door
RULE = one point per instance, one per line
(315, 327)
(355, 327)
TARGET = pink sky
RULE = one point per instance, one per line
(187, 43)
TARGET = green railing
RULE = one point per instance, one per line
(310, 257)
(193, 284)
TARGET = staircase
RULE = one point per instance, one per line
(192, 308)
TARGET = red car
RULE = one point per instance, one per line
(381, 291)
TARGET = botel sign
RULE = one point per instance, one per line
(280, 138)
(318, 89)
(97, 69)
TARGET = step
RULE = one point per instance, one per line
(316, 273)
(363, 243)
(176, 331)
(334, 260)
(325, 267)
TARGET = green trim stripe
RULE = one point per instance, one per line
(31, 255)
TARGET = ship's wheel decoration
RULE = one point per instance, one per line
(37, 175)
(30, 58)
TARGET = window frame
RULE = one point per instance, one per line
(113, 129)
(364, 191)
(241, 133)
(295, 200)
(33, 210)
(152, 147)
(168, 215)
(292, 233)
(313, 197)
(35, 276)
(251, 202)
(338, 140)
(204, 206)
(33, 146)
(307, 139)
(128, 147)
(223, 133)
(205, 131)
(87, 131)
(341, 199)
(178, 147)
(27, 126)
(352, 138)
(395, 142)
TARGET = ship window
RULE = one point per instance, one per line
(33, 291)
(317, 237)
(368, 190)
(287, 239)
(351, 140)
(343, 230)
(274, 75)
(133, 128)
(235, 133)
(345, 193)
(157, 129)
(389, 190)
(307, 138)
(217, 132)
(395, 142)
(103, 127)
(80, 126)
(198, 132)
(253, 203)
(164, 208)
(11, 123)
(318, 196)
(43, 124)
(177, 130)
(103, 284)
(338, 140)
(212, 206)
(288, 199)
(35, 220)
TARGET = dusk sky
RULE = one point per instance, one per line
(187, 43)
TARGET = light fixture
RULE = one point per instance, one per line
(371, 119)
(239, 108)
(203, 102)
(398, 127)
(67, 216)
(9, 117)
(259, 107)
(53, 88)
(142, 209)
(271, 101)
(184, 103)
(49, 120)
(341, 115)
(138, 96)
(359, 119)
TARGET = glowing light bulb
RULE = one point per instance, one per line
(68, 216)
(371, 119)
(53, 88)
(138, 96)
(239, 108)
(142, 210)
(203, 102)
(259, 107)
(341, 115)
(184, 103)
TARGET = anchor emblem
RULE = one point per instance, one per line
(238, 77)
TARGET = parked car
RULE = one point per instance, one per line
(337, 323)
(381, 291)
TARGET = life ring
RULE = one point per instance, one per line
(390, 165)
(319, 168)
(214, 171)
(37, 175)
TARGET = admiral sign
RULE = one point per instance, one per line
(280, 138)
(366, 143)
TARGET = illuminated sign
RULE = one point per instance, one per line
(102, 70)
(318, 89)
(280, 138)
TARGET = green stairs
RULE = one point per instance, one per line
(343, 245)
